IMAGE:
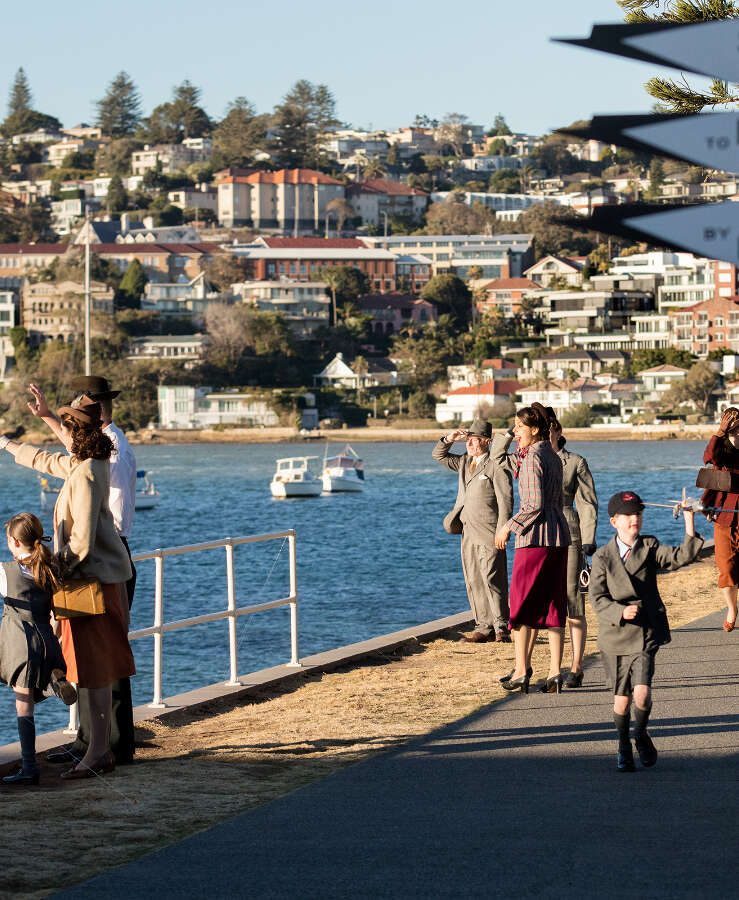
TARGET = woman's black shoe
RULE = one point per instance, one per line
(552, 685)
(21, 778)
(510, 675)
(514, 684)
(574, 679)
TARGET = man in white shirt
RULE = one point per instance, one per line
(122, 504)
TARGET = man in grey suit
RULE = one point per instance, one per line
(484, 497)
(632, 621)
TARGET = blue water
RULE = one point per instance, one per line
(368, 563)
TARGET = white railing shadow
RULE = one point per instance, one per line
(232, 612)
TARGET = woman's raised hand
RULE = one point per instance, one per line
(38, 406)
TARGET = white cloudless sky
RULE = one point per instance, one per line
(385, 61)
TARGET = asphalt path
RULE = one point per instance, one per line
(521, 799)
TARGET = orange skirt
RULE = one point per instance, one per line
(96, 648)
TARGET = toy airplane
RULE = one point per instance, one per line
(692, 503)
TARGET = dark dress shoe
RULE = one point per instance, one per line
(646, 750)
(552, 685)
(515, 684)
(477, 637)
(574, 680)
(20, 777)
(625, 758)
(64, 689)
(503, 637)
(68, 754)
(106, 763)
(504, 678)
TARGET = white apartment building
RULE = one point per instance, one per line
(499, 203)
(203, 196)
(8, 311)
(304, 304)
(172, 157)
(686, 279)
(184, 300)
(185, 347)
(195, 407)
(493, 163)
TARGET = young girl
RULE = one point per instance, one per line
(30, 656)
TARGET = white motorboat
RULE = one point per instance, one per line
(147, 496)
(293, 478)
(343, 472)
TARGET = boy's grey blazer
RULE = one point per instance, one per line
(484, 496)
(615, 584)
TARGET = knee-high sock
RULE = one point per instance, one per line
(27, 735)
(641, 719)
(622, 727)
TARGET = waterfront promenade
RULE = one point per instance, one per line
(521, 798)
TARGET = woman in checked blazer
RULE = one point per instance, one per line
(538, 592)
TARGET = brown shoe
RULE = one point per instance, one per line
(106, 763)
(503, 637)
(64, 689)
(477, 637)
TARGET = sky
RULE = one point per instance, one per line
(385, 61)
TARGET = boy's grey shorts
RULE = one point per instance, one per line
(625, 672)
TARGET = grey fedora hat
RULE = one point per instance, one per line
(480, 428)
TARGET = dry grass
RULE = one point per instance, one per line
(196, 770)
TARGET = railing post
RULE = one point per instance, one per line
(157, 702)
(74, 722)
(294, 656)
(232, 648)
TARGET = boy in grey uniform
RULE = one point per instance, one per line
(632, 621)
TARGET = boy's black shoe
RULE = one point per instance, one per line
(625, 758)
(646, 750)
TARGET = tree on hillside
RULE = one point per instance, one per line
(20, 98)
(452, 297)
(656, 178)
(549, 223)
(697, 387)
(454, 216)
(132, 285)
(505, 181)
(648, 359)
(342, 209)
(225, 269)
(119, 110)
(373, 168)
(31, 223)
(554, 156)
(680, 96)
(182, 117)
(116, 199)
(115, 158)
(239, 135)
(425, 353)
(306, 111)
(452, 132)
(497, 147)
(344, 282)
(500, 126)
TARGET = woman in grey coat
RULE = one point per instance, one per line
(580, 506)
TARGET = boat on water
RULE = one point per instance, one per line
(294, 478)
(48, 491)
(343, 472)
(147, 496)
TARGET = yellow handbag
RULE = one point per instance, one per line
(79, 597)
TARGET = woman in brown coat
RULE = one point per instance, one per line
(86, 545)
(722, 452)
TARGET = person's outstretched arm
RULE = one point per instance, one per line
(40, 408)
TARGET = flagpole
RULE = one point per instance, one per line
(87, 294)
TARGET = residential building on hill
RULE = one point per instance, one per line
(707, 326)
(171, 158)
(564, 269)
(8, 311)
(54, 311)
(586, 363)
(374, 198)
(305, 305)
(562, 395)
(488, 370)
(412, 271)
(181, 347)
(291, 200)
(181, 299)
(188, 407)
(506, 295)
(492, 398)
(374, 373)
(297, 258)
(391, 312)
(507, 207)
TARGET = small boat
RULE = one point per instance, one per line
(147, 496)
(343, 472)
(47, 491)
(293, 478)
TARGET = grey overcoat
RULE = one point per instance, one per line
(578, 488)
(615, 584)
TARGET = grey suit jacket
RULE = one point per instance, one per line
(578, 487)
(484, 496)
(615, 584)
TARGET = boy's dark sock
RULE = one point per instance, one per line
(641, 720)
(622, 727)
(625, 753)
(27, 735)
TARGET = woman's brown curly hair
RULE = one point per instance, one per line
(88, 441)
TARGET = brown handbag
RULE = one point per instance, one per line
(711, 479)
(78, 597)
(452, 523)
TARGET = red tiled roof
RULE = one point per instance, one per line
(500, 386)
(512, 284)
(307, 243)
(284, 176)
(384, 186)
(151, 248)
(498, 364)
(10, 249)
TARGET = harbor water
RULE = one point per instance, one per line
(368, 563)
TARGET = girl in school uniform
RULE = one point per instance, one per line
(30, 656)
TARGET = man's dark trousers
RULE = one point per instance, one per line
(121, 720)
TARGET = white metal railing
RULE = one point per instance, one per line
(231, 612)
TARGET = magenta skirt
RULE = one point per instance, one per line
(538, 594)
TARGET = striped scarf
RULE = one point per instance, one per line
(520, 456)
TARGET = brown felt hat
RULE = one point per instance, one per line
(94, 386)
(480, 428)
(83, 409)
